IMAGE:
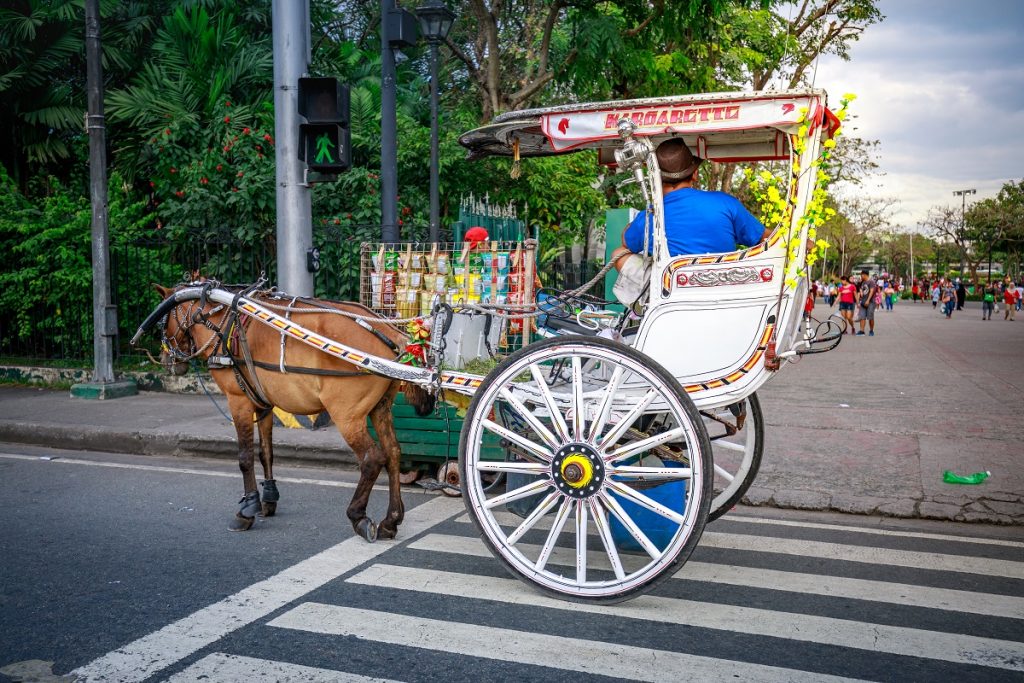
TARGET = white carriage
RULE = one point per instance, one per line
(611, 473)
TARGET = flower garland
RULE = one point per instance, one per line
(415, 353)
(776, 208)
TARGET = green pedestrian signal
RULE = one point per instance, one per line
(325, 147)
(324, 137)
(323, 150)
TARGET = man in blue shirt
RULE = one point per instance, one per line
(696, 221)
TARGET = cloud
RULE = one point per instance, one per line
(941, 85)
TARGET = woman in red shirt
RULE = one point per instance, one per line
(847, 296)
(1010, 295)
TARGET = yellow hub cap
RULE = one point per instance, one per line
(577, 470)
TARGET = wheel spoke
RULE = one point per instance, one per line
(730, 446)
(605, 531)
(532, 449)
(724, 473)
(639, 473)
(556, 416)
(643, 501)
(606, 404)
(581, 542)
(521, 492)
(556, 529)
(531, 419)
(645, 444)
(627, 421)
(534, 517)
(512, 467)
(634, 531)
(579, 422)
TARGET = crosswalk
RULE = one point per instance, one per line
(760, 600)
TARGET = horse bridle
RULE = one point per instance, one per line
(193, 315)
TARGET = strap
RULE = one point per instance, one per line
(309, 371)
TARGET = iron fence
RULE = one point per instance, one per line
(59, 328)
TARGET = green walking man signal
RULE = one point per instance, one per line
(324, 137)
(323, 151)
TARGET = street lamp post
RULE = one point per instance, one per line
(435, 22)
(963, 220)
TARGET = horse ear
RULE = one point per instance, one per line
(164, 292)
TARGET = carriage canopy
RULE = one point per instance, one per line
(723, 127)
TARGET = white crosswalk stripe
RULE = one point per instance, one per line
(837, 551)
(569, 654)
(836, 586)
(801, 627)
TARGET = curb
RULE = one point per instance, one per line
(151, 442)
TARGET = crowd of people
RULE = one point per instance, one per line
(859, 296)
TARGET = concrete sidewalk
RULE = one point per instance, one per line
(868, 428)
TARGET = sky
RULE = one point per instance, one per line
(940, 83)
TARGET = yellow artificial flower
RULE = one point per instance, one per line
(829, 144)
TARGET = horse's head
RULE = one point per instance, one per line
(176, 342)
(419, 398)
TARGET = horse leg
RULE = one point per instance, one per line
(383, 424)
(371, 460)
(270, 496)
(242, 411)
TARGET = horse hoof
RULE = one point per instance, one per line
(367, 529)
(386, 532)
(240, 523)
(269, 509)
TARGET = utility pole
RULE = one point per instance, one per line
(963, 222)
(294, 207)
(388, 129)
(104, 315)
(911, 259)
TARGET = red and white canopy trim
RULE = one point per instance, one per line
(716, 126)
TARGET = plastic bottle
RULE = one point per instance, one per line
(975, 478)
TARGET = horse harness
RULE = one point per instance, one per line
(233, 345)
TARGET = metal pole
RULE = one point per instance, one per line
(911, 259)
(388, 131)
(103, 314)
(294, 211)
(435, 200)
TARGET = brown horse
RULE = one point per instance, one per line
(245, 359)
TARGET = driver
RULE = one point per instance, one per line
(696, 221)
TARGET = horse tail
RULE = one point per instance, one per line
(419, 398)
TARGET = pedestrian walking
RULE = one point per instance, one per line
(847, 297)
(915, 292)
(936, 294)
(890, 296)
(868, 300)
(961, 294)
(988, 302)
(1010, 295)
(948, 298)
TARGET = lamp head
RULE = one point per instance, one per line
(435, 20)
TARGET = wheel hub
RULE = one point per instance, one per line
(577, 470)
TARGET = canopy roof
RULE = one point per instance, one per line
(716, 126)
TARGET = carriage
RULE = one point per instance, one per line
(623, 433)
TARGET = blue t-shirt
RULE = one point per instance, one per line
(699, 222)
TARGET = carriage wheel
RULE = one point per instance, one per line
(737, 440)
(601, 519)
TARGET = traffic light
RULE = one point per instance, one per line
(324, 140)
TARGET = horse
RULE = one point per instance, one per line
(257, 369)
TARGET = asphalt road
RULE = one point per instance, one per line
(120, 567)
